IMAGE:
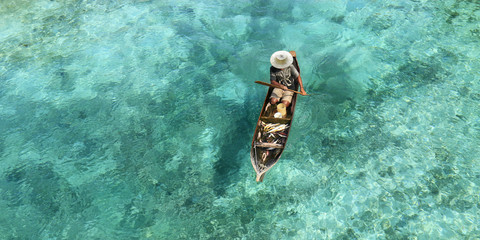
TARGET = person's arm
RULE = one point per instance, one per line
(299, 79)
(302, 90)
(279, 85)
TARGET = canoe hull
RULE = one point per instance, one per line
(267, 147)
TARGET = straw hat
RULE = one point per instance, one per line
(281, 59)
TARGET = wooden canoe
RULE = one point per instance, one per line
(268, 142)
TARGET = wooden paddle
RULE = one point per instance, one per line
(271, 85)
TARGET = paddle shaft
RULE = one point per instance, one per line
(271, 85)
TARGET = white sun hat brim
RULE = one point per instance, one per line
(281, 59)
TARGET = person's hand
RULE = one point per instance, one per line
(284, 87)
(302, 91)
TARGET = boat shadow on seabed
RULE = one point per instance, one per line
(233, 141)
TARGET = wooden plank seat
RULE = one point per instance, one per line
(275, 120)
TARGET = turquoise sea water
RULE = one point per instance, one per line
(133, 120)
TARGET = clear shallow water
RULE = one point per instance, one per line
(133, 120)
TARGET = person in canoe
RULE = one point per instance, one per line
(284, 75)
